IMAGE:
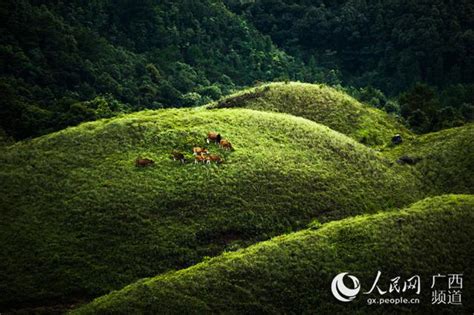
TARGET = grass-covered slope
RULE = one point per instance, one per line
(77, 218)
(293, 273)
(322, 104)
(446, 159)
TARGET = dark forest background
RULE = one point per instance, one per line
(64, 62)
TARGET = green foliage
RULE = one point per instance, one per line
(144, 54)
(392, 107)
(5, 139)
(375, 47)
(421, 97)
(191, 99)
(389, 45)
(419, 121)
(371, 96)
(428, 110)
(214, 92)
(293, 273)
(151, 55)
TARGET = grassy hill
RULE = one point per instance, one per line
(322, 104)
(293, 273)
(445, 159)
(78, 219)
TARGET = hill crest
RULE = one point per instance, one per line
(322, 104)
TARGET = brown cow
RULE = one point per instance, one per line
(178, 156)
(225, 144)
(200, 159)
(200, 151)
(214, 158)
(143, 162)
(213, 137)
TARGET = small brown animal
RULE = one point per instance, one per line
(214, 158)
(225, 144)
(200, 159)
(200, 151)
(143, 162)
(178, 156)
(213, 137)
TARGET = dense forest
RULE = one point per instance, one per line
(392, 45)
(62, 63)
(387, 44)
(66, 62)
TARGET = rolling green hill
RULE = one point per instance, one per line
(78, 219)
(445, 159)
(102, 218)
(321, 104)
(293, 273)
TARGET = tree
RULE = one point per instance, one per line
(420, 98)
(419, 121)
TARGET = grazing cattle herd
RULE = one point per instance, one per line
(201, 154)
(200, 151)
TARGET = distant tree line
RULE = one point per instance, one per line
(420, 53)
(64, 62)
(423, 108)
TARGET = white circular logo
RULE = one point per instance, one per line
(339, 289)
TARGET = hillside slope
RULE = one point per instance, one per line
(321, 104)
(293, 273)
(78, 219)
(446, 159)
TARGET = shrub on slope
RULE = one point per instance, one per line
(77, 218)
(322, 104)
(293, 273)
